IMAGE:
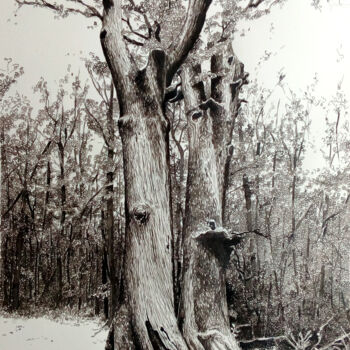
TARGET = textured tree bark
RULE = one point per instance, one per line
(114, 262)
(204, 314)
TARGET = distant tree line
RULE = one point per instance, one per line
(63, 221)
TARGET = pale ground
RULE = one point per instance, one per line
(45, 334)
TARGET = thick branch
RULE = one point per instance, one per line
(116, 53)
(254, 4)
(195, 18)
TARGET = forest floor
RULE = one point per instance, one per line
(45, 333)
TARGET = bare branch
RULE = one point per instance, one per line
(47, 147)
(320, 332)
(325, 222)
(86, 205)
(132, 41)
(261, 342)
(133, 31)
(40, 3)
(94, 12)
(96, 84)
(303, 217)
(88, 112)
(13, 204)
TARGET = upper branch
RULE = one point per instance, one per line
(257, 4)
(195, 18)
(144, 15)
(92, 10)
(86, 10)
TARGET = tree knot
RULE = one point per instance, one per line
(141, 213)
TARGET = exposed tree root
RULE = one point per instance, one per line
(215, 340)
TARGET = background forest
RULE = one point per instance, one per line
(62, 193)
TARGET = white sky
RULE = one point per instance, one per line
(303, 41)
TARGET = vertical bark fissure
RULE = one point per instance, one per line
(112, 259)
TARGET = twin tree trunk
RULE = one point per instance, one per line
(146, 319)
